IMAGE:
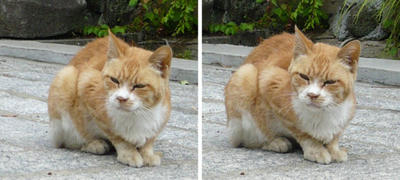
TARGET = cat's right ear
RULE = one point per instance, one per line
(302, 44)
(114, 49)
(161, 60)
(349, 55)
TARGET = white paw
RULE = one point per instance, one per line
(152, 160)
(339, 156)
(131, 158)
(319, 155)
(97, 146)
(279, 144)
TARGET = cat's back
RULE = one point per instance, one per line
(276, 51)
(94, 54)
(96, 49)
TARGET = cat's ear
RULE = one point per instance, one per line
(349, 54)
(302, 44)
(161, 60)
(114, 47)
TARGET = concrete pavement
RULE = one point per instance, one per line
(60, 53)
(26, 152)
(372, 139)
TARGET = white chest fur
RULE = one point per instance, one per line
(323, 124)
(138, 126)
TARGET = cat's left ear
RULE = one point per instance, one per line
(349, 54)
(302, 45)
(161, 60)
(115, 47)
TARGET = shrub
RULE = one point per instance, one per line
(389, 15)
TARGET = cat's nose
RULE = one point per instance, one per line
(122, 99)
(313, 95)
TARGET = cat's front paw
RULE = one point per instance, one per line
(131, 158)
(339, 156)
(97, 146)
(152, 160)
(319, 155)
(279, 144)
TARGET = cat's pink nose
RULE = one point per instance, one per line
(313, 95)
(122, 99)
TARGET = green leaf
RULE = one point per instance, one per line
(274, 3)
(284, 6)
(104, 26)
(231, 23)
(394, 51)
(118, 29)
(259, 1)
(246, 27)
(96, 30)
(133, 3)
(184, 82)
(387, 23)
(278, 12)
(102, 33)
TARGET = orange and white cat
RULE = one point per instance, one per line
(111, 92)
(291, 88)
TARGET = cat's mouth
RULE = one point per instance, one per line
(314, 105)
(123, 108)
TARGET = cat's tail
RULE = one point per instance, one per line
(240, 94)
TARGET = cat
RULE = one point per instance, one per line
(112, 93)
(290, 88)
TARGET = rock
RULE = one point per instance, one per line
(330, 7)
(238, 11)
(45, 18)
(338, 27)
(377, 34)
(96, 5)
(112, 12)
(365, 23)
(212, 14)
(365, 26)
(117, 12)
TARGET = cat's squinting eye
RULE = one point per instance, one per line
(138, 86)
(114, 80)
(305, 77)
(329, 82)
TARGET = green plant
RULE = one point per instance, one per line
(231, 28)
(174, 17)
(389, 15)
(306, 14)
(187, 54)
(181, 16)
(161, 17)
(133, 3)
(102, 30)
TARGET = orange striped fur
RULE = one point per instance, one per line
(290, 88)
(112, 93)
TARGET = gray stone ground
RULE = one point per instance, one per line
(26, 152)
(372, 140)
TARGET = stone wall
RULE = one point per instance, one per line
(366, 27)
(45, 18)
(343, 26)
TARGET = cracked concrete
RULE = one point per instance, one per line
(26, 152)
(372, 139)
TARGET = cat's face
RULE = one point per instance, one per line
(321, 75)
(135, 78)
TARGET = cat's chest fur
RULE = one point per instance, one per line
(323, 124)
(139, 126)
